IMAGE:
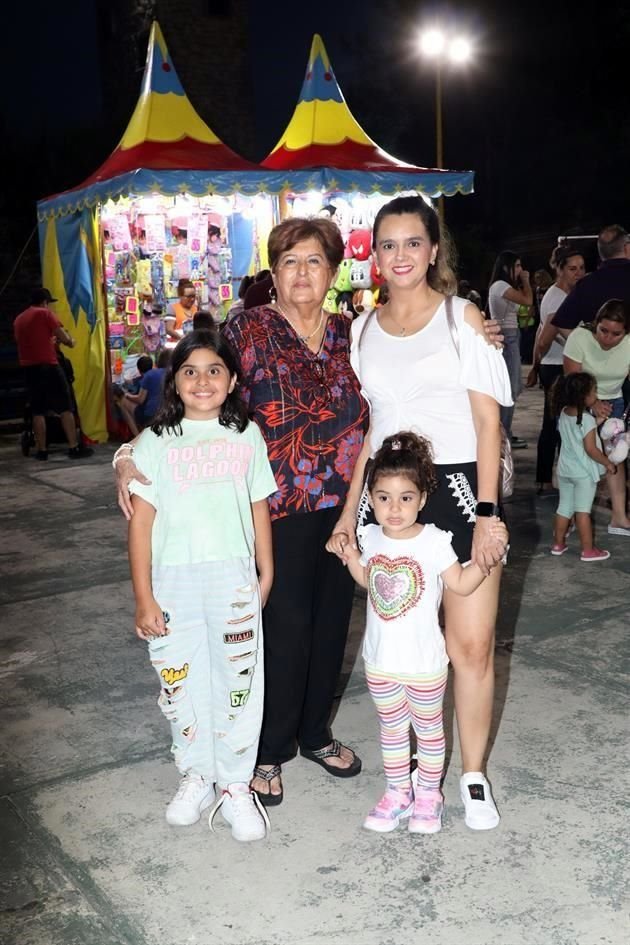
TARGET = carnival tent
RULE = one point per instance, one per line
(166, 149)
(323, 136)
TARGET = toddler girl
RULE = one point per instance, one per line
(199, 532)
(402, 566)
(581, 463)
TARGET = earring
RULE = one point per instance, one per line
(433, 261)
(273, 295)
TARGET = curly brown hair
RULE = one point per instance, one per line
(571, 390)
(405, 454)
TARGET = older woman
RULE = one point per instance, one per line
(603, 350)
(306, 399)
(421, 371)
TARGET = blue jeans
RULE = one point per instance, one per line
(210, 666)
(512, 358)
(617, 407)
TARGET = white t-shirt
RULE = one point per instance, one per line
(418, 382)
(202, 486)
(502, 310)
(551, 302)
(403, 634)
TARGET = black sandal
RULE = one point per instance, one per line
(268, 799)
(319, 757)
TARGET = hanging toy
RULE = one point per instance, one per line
(615, 440)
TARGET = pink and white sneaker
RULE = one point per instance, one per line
(595, 554)
(394, 806)
(427, 811)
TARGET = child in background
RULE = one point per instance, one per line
(402, 566)
(200, 529)
(148, 398)
(581, 463)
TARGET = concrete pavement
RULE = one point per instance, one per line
(87, 857)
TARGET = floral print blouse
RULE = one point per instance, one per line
(308, 406)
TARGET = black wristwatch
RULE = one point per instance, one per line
(487, 510)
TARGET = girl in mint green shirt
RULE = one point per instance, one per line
(202, 568)
(581, 463)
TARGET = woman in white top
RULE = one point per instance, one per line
(509, 288)
(415, 379)
(569, 269)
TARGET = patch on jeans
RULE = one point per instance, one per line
(172, 675)
(241, 637)
(238, 698)
(476, 792)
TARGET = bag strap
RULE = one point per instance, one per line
(365, 325)
(452, 326)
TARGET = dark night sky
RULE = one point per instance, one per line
(541, 115)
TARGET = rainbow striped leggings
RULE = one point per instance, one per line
(402, 701)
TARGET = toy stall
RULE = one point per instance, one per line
(171, 203)
(151, 243)
(350, 178)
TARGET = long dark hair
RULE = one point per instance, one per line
(571, 390)
(404, 454)
(233, 411)
(503, 269)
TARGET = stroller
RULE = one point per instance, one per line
(54, 429)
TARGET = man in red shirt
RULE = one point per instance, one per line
(36, 330)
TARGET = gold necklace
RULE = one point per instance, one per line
(304, 338)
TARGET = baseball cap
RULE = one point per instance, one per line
(41, 295)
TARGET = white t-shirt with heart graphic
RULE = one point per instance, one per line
(404, 581)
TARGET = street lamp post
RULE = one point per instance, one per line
(437, 46)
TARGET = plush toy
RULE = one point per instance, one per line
(342, 282)
(330, 301)
(375, 274)
(358, 245)
(616, 440)
(344, 304)
(360, 276)
(363, 301)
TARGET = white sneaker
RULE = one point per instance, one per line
(243, 811)
(481, 811)
(193, 795)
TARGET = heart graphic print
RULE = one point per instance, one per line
(394, 585)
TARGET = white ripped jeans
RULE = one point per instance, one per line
(210, 666)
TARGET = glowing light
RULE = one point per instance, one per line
(459, 50)
(432, 42)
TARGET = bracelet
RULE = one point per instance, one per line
(123, 452)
